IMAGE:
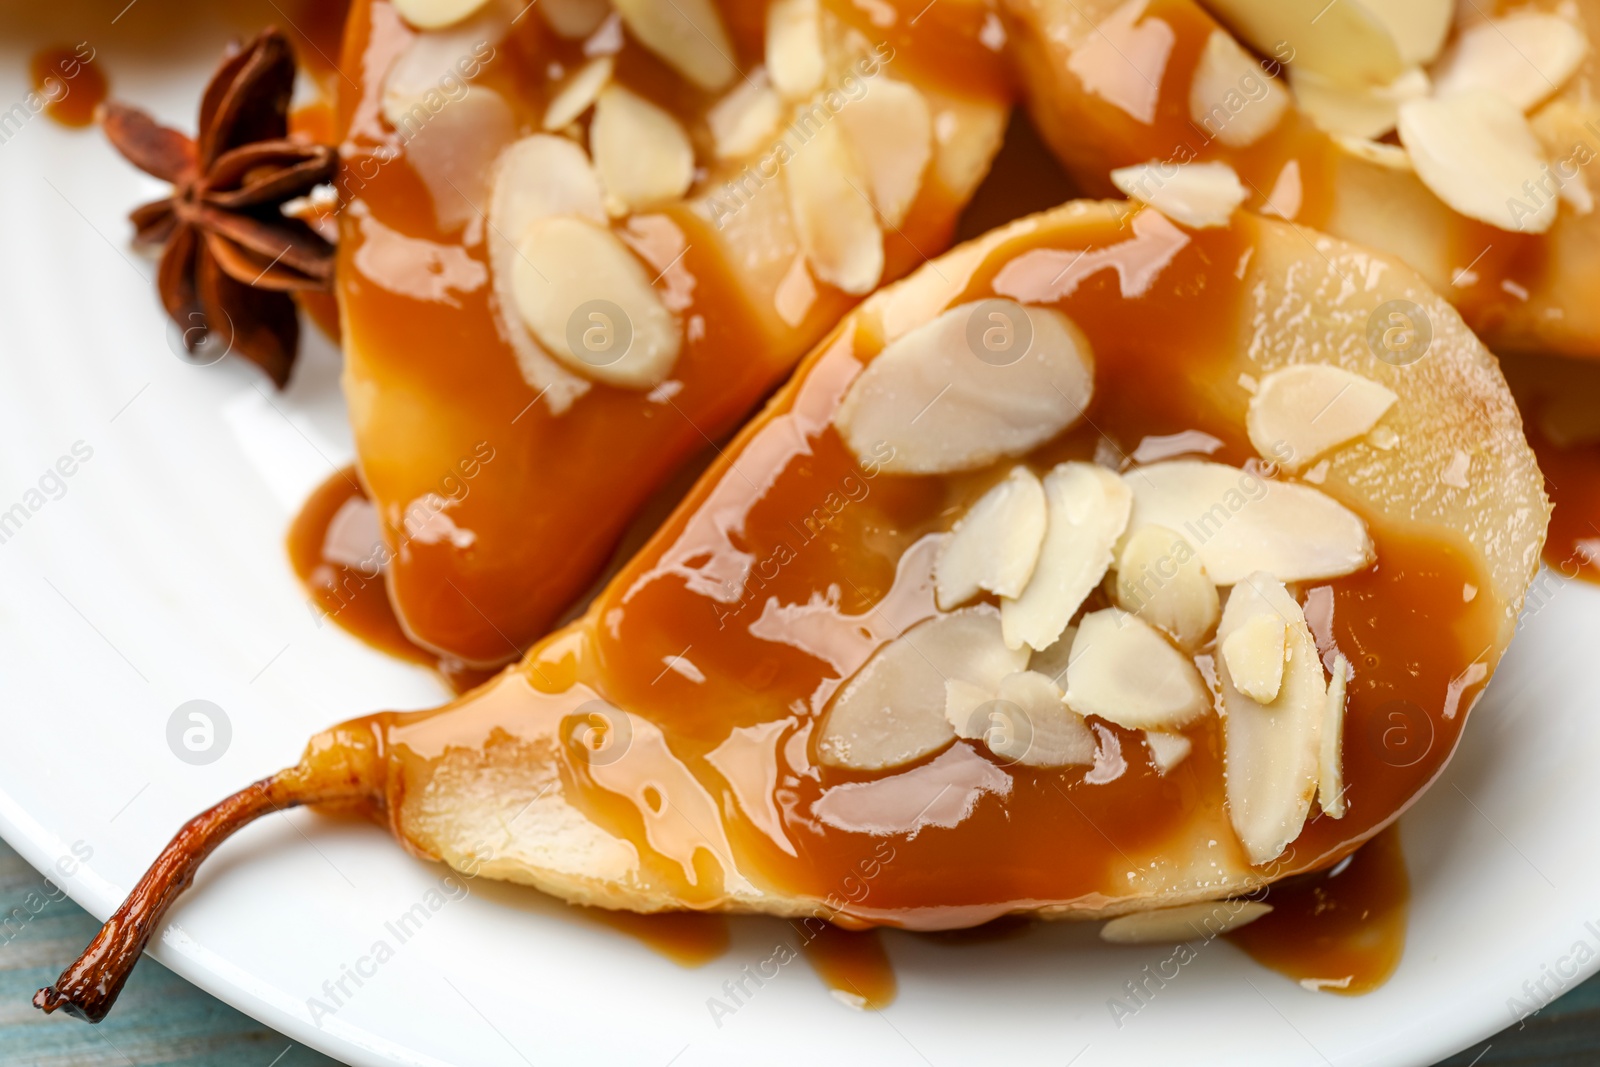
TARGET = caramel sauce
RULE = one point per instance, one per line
(337, 521)
(316, 121)
(1339, 931)
(1560, 404)
(323, 311)
(664, 642)
(853, 964)
(718, 789)
(425, 351)
(688, 938)
(70, 81)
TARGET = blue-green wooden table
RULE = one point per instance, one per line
(161, 1019)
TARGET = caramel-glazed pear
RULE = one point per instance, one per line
(1460, 138)
(587, 250)
(833, 643)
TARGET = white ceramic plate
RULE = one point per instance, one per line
(158, 577)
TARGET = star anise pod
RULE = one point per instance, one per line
(230, 255)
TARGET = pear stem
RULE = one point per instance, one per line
(89, 987)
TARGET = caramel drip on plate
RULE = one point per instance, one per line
(342, 571)
(1339, 931)
(70, 81)
(689, 938)
(853, 964)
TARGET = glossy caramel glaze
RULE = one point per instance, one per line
(1560, 401)
(316, 121)
(429, 374)
(323, 310)
(70, 82)
(1341, 930)
(1118, 95)
(339, 557)
(791, 562)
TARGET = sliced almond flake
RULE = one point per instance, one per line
(1330, 764)
(1254, 654)
(796, 293)
(642, 154)
(794, 47)
(1198, 195)
(742, 122)
(536, 178)
(1389, 156)
(566, 263)
(1361, 112)
(1456, 472)
(687, 34)
(1187, 922)
(1575, 194)
(1160, 578)
(414, 85)
(832, 215)
(1239, 522)
(578, 93)
(1475, 151)
(961, 703)
(1418, 27)
(1167, 750)
(1052, 662)
(1344, 41)
(1124, 671)
(1220, 102)
(941, 407)
(995, 545)
(891, 130)
(969, 133)
(453, 154)
(1271, 751)
(1034, 727)
(574, 19)
(1087, 510)
(1303, 411)
(436, 14)
(1526, 58)
(893, 711)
